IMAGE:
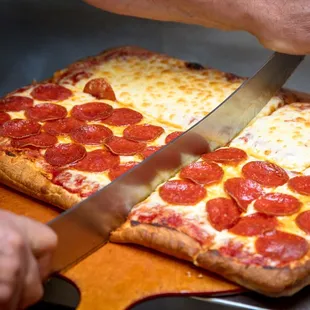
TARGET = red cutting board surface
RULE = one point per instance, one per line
(118, 276)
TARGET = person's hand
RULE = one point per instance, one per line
(26, 248)
(279, 25)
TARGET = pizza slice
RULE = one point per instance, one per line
(241, 211)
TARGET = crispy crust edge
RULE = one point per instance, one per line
(21, 174)
(162, 239)
(273, 282)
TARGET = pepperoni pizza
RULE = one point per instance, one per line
(241, 211)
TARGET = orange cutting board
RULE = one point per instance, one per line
(118, 276)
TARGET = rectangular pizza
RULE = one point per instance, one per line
(242, 211)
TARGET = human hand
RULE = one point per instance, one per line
(26, 248)
(279, 25)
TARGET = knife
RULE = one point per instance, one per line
(85, 227)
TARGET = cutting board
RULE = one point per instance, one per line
(118, 276)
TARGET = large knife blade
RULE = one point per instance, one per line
(87, 226)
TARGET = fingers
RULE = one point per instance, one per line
(32, 286)
(13, 265)
(44, 265)
(10, 284)
(41, 238)
(26, 249)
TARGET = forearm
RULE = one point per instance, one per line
(222, 14)
(280, 25)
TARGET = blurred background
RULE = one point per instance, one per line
(40, 37)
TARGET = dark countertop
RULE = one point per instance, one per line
(39, 37)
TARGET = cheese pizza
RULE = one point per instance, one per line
(241, 211)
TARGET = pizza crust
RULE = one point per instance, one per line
(273, 282)
(162, 239)
(20, 173)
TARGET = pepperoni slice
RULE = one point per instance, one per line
(120, 169)
(64, 154)
(4, 117)
(42, 140)
(92, 111)
(300, 185)
(122, 146)
(173, 136)
(202, 173)
(243, 191)
(91, 134)
(62, 126)
(100, 89)
(148, 151)
(265, 173)
(223, 213)
(20, 128)
(15, 104)
(122, 117)
(97, 161)
(303, 221)
(51, 91)
(143, 132)
(254, 224)
(277, 204)
(228, 156)
(182, 192)
(282, 246)
(46, 112)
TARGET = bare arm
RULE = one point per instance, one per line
(280, 25)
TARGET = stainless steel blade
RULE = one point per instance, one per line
(87, 226)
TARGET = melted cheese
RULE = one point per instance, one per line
(282, 137)
(164, 88)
